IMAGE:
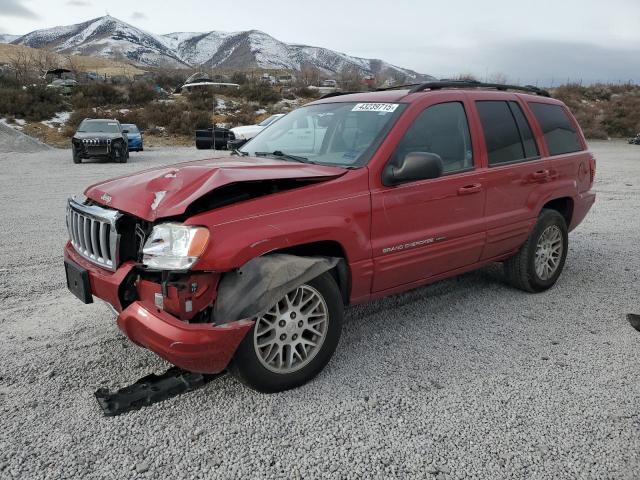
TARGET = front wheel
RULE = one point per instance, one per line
(539, 262)
(118, 153)
(294, 340)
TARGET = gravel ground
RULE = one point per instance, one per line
(465, 378)
(12, 140)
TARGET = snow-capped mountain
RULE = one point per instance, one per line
(7, 38)
(112, 38)
(105, 37)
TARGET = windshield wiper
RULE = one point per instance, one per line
(280, 154)
(235, 151)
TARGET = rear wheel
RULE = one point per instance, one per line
(293, 341)
(539, 262)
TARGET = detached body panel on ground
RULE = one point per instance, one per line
(512, 177)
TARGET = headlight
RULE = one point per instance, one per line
(173, 246)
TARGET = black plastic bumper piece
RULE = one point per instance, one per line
(634, 320)
(151, 389)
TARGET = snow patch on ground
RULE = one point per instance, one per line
(58, 120)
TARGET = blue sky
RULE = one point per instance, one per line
(541, 42)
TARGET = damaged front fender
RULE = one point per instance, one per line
(256, 286)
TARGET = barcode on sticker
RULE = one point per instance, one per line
(375, 107)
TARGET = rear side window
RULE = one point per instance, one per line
(559, 132)
(441, 129)
(506, 132)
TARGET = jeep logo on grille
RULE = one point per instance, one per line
(106, 198)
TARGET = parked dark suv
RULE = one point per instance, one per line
(246, 262)
(100, 138)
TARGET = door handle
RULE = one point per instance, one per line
(469, 189)
(540, 175)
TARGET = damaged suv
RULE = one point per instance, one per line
(246, 262)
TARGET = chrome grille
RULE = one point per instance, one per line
(93, 233)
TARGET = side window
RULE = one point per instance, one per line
(559, 132)
(506, 132)
(441, 129)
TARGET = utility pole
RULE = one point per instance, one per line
(213, 113)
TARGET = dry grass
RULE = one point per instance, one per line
(101, 66)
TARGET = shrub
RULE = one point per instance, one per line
(259, 92)
(245, 115)
(306, 92)
(141, 93)
(97, 94)
(35, 103)
(622, 115)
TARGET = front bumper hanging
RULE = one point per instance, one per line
(197, 347)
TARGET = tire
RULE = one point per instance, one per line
(118, 154)
(249, 366)
(549, 233)
(76, 157)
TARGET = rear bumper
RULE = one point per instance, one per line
(581, 206)
(201, 348)
(135, 143)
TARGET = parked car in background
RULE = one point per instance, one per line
(635, 140)
(241, 135)
(66, 86)
(100, 138)
(245, 263)
(134, 137)
(205, 138)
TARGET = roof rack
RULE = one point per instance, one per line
(440, 84)
(336, 94)
(397, 87)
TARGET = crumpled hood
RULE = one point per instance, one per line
(168, 191)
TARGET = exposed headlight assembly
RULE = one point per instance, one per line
(173, 246)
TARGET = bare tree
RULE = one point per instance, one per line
(466, 76)
(350, 78)
(499, 78)
(22, 66)
(73, 65)
(43, 61)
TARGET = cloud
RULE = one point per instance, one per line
(78, 3)
(13, 8)
(139, 16)
(549, 63)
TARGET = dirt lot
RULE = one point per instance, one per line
(465, 378)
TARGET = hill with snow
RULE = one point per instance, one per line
(109, 37)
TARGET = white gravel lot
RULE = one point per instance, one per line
(465, 378)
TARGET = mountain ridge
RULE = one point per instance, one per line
(112, 38)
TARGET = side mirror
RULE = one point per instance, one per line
(414, 166)
(125, 131)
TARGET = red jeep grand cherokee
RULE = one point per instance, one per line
(246, 262)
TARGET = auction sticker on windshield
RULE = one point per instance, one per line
(375, 107)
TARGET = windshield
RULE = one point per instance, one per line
(269, 120)
(99, 127)
(344, 134)
(130, 128)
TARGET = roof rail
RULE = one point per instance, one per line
(440, 84)
(397, 87)
(336, 94)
